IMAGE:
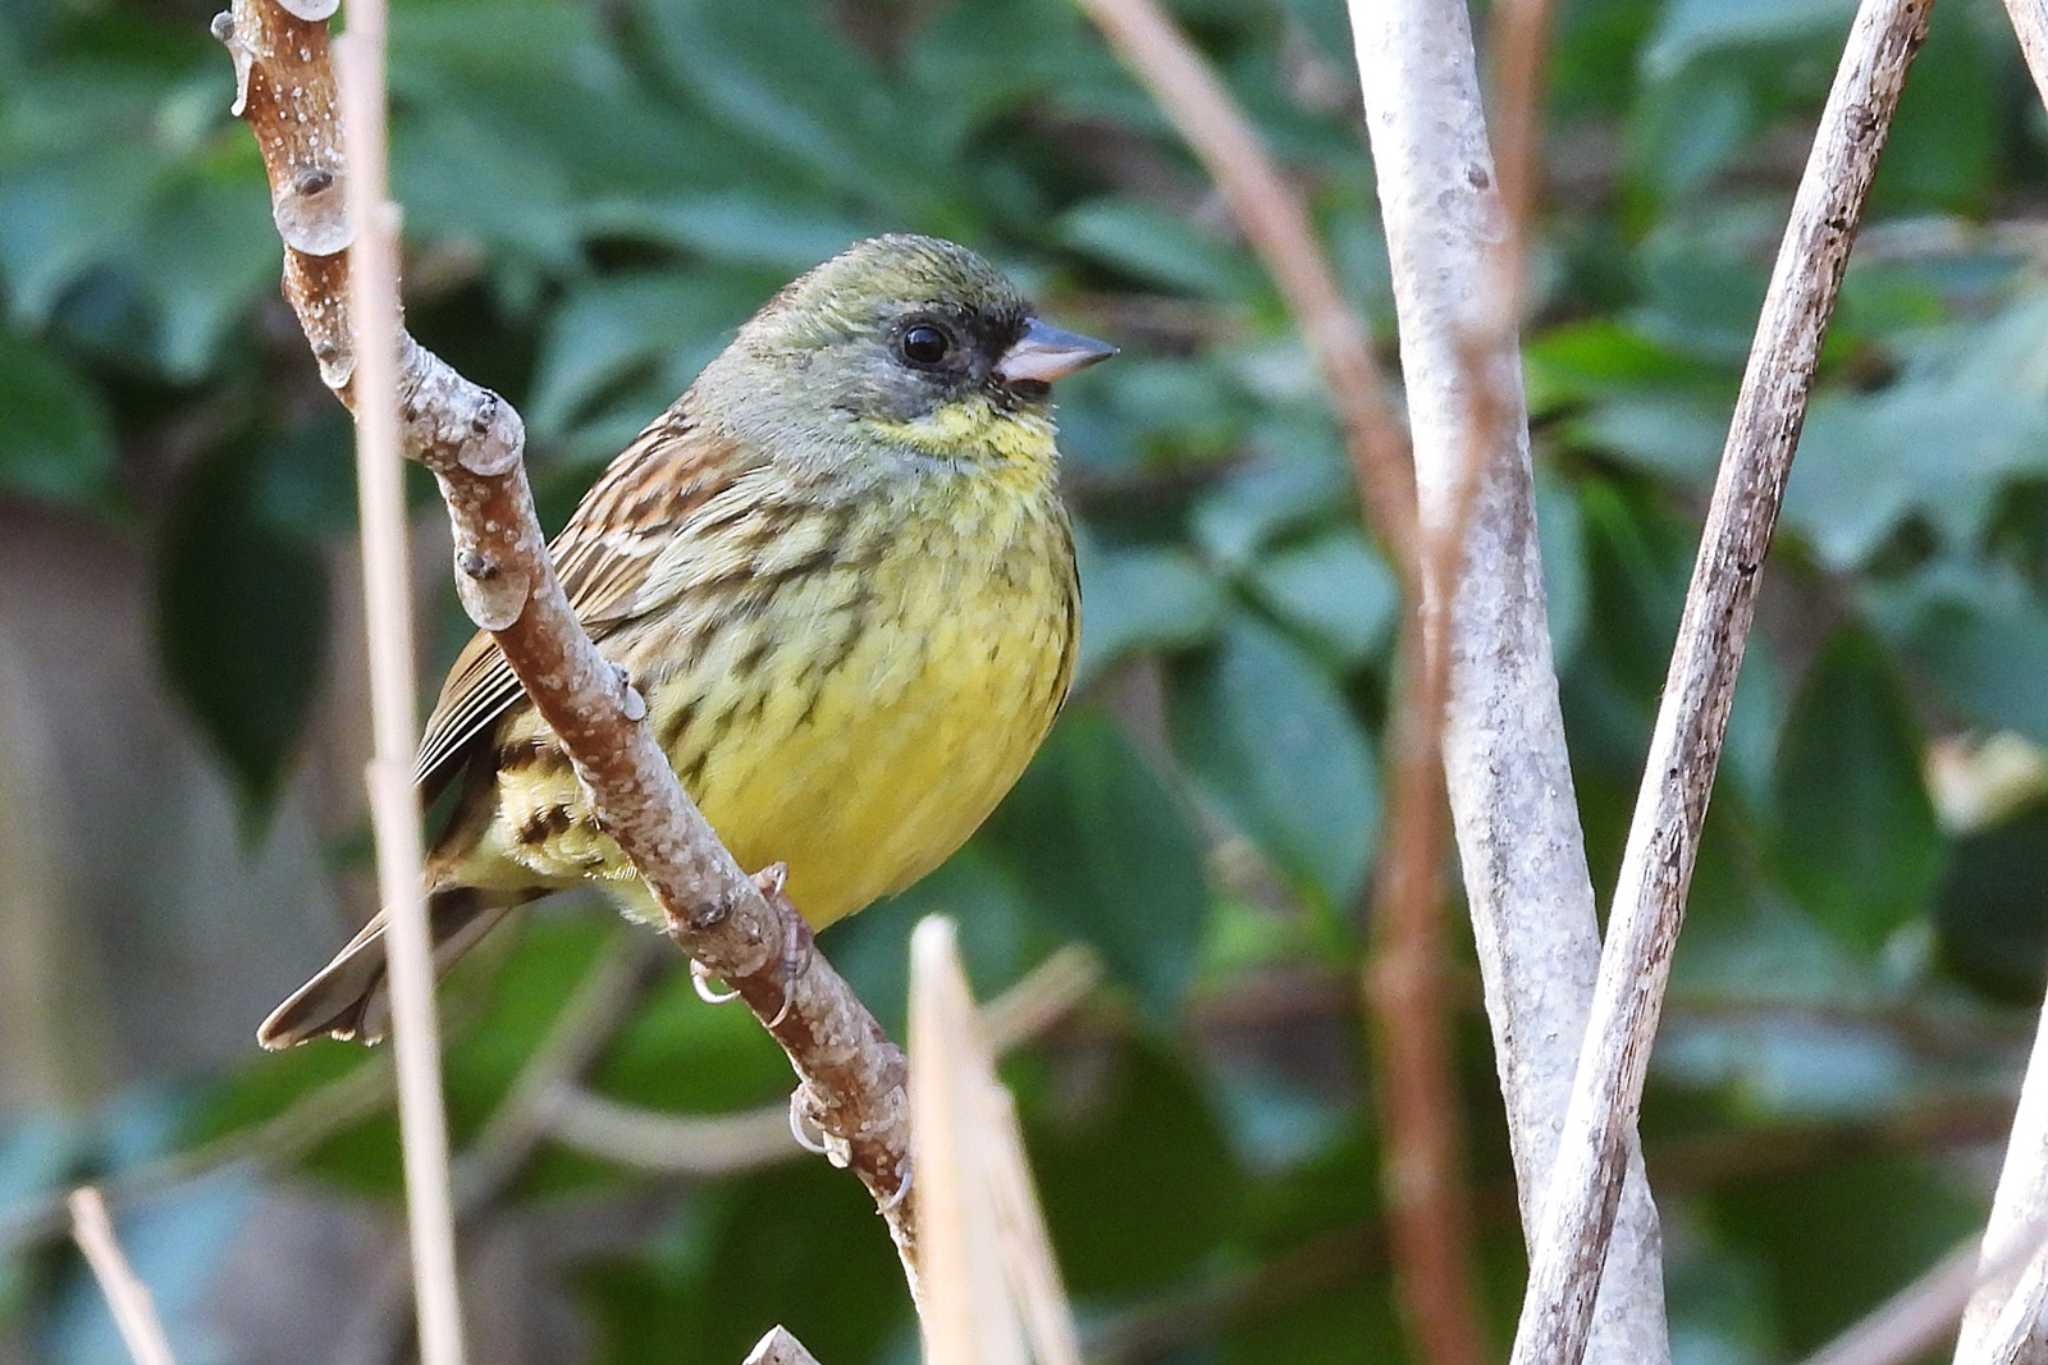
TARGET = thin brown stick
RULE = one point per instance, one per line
(1276, 224)
(387, 580)
(1424, 1169)
(779, 1348)
(1570, 1247)
(127, 1297)
(852, 1078)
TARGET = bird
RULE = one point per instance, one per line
(839, 571)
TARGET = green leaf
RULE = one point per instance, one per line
(1989, 911)
(1980, 638)
(1141, 599)
(1857, 840)
(59, 443)
(1115, 1233)
(788, 78)
(1267, 497)
(1270, 739)
(1567, 580)
(1885, 1219)
(243, 622)
(1336, 588)
(1107, 853)
(1157, 246)
(608, 330)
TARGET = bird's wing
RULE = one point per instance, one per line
(605, 557)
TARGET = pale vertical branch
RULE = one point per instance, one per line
(1454, 250)
(2019, 1207)
(1423, 1170)
(2030, 25)
(127, 1297)
(2000, 1300)
(387, 578)
(1578, 1212)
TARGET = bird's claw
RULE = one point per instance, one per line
(701, 978)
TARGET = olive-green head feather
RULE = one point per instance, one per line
(887, 337)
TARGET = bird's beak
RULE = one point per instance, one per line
(1043, 353)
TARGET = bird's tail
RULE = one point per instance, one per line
(350, 998)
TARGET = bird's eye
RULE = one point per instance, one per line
(925, 344)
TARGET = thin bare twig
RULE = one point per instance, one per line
(852, 1078)
(1917, 1318)
(1570, 1247)
(127, 1297)
(387, 579)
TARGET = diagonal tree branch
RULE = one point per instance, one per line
(740, 928)
(1506, 766)
(1578, 1212)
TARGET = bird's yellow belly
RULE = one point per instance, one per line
(858, 726)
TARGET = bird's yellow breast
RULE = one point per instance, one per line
(857, 721)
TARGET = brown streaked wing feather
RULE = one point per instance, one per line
(602, 557)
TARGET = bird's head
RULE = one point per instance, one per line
(910, 341)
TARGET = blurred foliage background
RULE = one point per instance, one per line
(595, 195)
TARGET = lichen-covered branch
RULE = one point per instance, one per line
(1570, 1246)
(740, 928)
(1505, 763)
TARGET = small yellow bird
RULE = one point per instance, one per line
(838, 569)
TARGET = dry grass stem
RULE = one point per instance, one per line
(394, 809)
(1570, 1246)
(993, 1291)
(127, 1297)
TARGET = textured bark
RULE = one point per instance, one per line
(853, 1078)
(1579, 1203)
(1506, 768)
(2007, 1316)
